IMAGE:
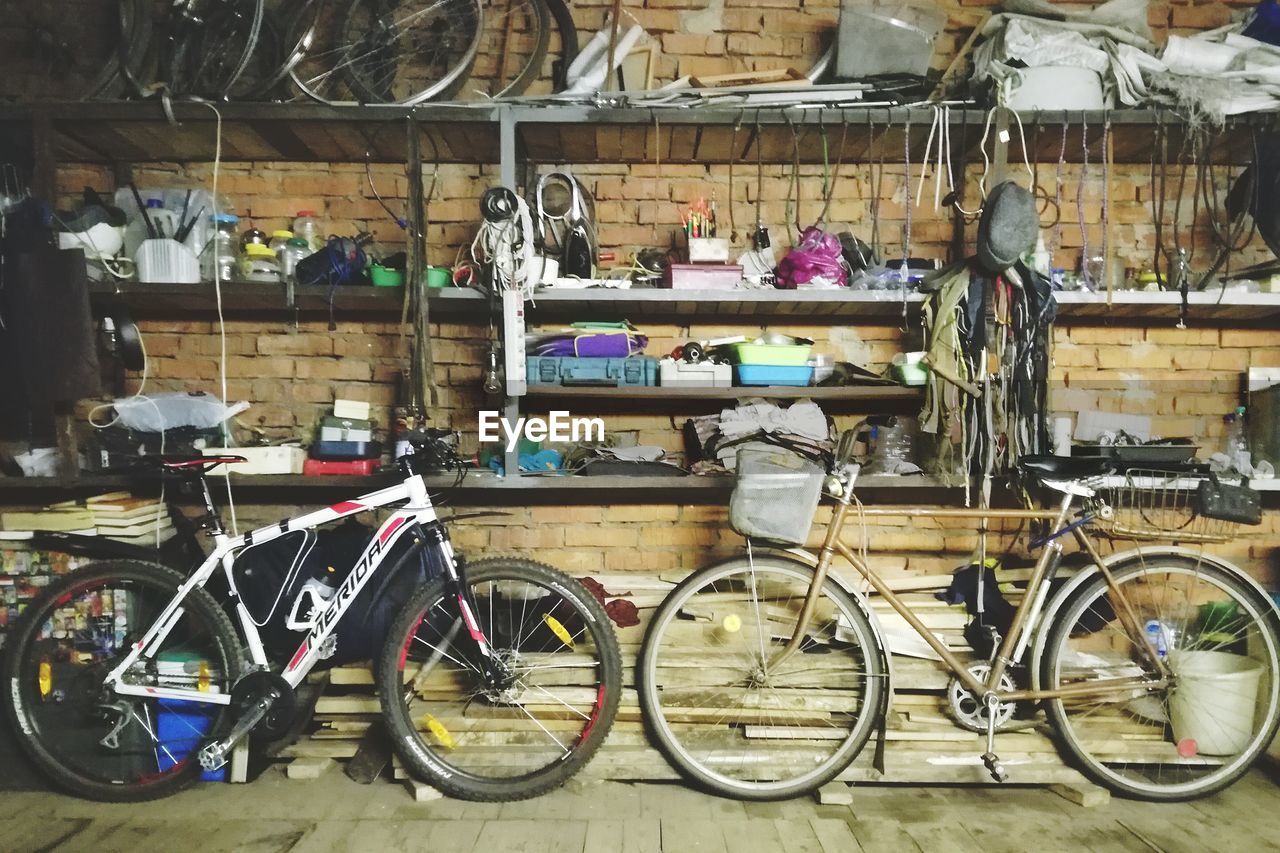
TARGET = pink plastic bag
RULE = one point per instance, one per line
(816, 256)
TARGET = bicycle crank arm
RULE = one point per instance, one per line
(214, 755)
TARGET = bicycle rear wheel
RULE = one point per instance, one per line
(538, 725)
(1221, 641)
(89, 740)
(726, 717)
(207, 60)
(63, 49)
(391, 51)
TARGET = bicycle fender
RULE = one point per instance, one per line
(801, 557)
(1119, 560)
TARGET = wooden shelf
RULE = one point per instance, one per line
(139, 131)
(859, 397)
(562, 132)
(479, 488)
(248, 298)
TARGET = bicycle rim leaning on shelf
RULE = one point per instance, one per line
(391, 51)
(209, 57)
(732, 721)
(538, 726)
(1220, 639)
(91, 741)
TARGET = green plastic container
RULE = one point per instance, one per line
(772, 355)
(385, 276)
(439, 276)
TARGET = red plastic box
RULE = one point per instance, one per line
(328, 468)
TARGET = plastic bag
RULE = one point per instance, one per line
(169, 411)
(816, 259)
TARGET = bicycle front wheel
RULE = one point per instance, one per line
(729, 717)
(88, 739)
(1220, 640)
(526, 731)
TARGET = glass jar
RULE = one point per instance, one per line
(278, 241)
(307, 226)
(218, 258)
(258, 263)
(295, 249)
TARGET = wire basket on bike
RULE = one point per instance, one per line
(1163, 505)
(775, 494)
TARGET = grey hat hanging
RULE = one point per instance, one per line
(1008, 227)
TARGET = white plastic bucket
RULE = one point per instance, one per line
(1215, 700)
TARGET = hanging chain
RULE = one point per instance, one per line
(1080, 191)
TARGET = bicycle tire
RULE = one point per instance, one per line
(290, 37)
(18, 675)
(533, 65)
(446, 87)
(133, 55)
(1124, 773)
(708, 743)
(436, 761)
(194, 43)
(568, 31)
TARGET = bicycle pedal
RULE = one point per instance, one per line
(994, 767)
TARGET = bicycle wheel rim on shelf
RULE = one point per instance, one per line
(324, 73)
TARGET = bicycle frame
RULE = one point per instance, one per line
(412, 517)
(1014, 644)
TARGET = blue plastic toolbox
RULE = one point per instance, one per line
(773, 374)
(577, 370)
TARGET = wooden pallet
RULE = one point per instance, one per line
(922, 744)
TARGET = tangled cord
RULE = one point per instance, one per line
(504, 242)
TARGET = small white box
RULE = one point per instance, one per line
(708, 250)
(351, 409)
(333, 433)
(703, 374)
(281, 459)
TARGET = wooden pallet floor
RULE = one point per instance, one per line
(922, 743)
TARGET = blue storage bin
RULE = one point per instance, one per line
(180, 727)
(772, 374)
(638, 370)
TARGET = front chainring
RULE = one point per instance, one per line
(970, 711)
(252, 686)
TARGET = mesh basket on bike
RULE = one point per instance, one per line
(1164, 505)
(775, 494)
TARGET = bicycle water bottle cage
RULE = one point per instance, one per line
(307, 607)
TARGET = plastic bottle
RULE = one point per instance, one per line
(295, 249)
(307, 226)
(1162, 636)
(1237, 449)
(218, 260)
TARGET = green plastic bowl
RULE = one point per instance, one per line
(439, 276)
(385, 276)
(911, 374)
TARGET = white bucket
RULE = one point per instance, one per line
(1215, 701)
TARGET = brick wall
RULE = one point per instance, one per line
(1185, 378)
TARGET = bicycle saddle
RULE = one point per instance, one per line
(187, 463)
(1066, 467)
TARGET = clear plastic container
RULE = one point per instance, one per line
(218, 259)
(296, 248)
(258, 263)
(307, 226)
(279, 239)
(1237, 446)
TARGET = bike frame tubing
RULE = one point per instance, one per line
(417, 511)
(1014, 643)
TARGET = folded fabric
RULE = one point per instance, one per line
(802, 418)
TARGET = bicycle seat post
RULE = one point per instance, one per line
(215, 521)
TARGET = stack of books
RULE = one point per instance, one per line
(68, 517)
(121, 516)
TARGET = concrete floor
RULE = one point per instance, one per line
(333, 813)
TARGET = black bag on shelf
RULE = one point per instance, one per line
(1227, 502)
